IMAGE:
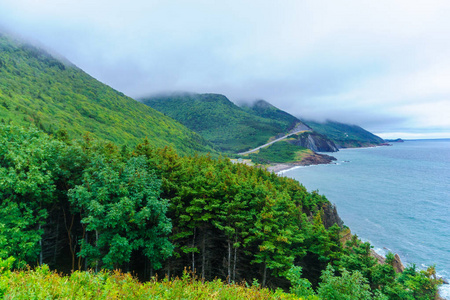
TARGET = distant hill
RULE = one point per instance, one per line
(36, 88)
(399, 140)
(345, 135)
(230, 127)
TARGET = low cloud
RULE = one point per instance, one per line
(382, 65)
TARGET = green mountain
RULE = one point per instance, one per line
(226, 125)
(37, 88)
(345, 135)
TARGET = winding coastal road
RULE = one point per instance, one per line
(299, 128)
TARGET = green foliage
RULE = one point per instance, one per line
(347, 286)
(18, 234)
(259, 217)
(41, 283)
(6, 265)
(54, 95)
(277, 231)
(120, 203)
(414, 284)
(359, 258)
(27, 189)
(5, 273)
(345, 135)
(218, 120)
(47, 181)
(323, 246)
(299, 286)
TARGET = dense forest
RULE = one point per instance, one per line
(92, 205)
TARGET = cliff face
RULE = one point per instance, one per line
(316, 142)
(331, 216)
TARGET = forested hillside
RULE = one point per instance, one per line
(345, 135)
(78, 205)
(226, 125)
(36, 88)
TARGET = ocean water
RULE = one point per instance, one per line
(397, 198)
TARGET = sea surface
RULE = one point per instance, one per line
(396, 197)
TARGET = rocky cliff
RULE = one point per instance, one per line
(331, 216)
(314, 141)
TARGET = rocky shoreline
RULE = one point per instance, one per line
(313, 159)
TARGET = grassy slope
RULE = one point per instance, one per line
(280, 152)
(345, 135)
(218, 120)
(37, 88)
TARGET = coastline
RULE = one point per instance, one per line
(311, 160)
(315, 159)
(444, 289)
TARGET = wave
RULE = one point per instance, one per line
(444, 290)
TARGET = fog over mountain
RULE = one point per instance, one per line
(383, 65)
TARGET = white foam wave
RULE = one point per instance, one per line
(381, 251)
(290, 169)
(444, 291)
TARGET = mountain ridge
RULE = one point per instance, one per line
(220, 121)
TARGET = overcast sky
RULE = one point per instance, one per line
(380, 64)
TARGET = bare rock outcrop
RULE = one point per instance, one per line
(314, 141)
(397, 264)
(380, 259)
(331, 216)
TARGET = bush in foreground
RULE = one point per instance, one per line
(41, 283)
